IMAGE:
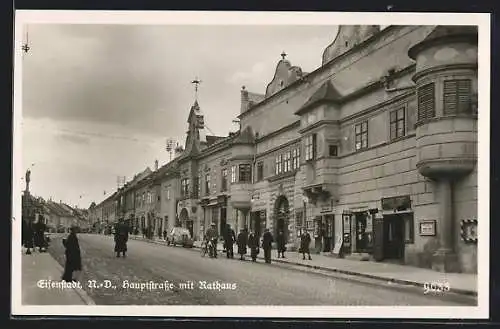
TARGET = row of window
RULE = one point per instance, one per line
(285, 162)
(144, 198)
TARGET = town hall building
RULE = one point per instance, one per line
(374, 153)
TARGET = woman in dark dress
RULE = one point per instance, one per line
(242, 241)
(73, 256)
(281, 244)
(121, 238)
(253, 244)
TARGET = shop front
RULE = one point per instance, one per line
(357, 231)
(393, 228)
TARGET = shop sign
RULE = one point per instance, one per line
(326, 209)
(427, 228)
(468, 230)
(338, 245)
(396, 203)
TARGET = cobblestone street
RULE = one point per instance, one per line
(256, 284)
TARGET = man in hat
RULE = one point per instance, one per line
(212, 235)
(229, 240)
(267, 240)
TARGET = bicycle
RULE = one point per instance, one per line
(204, 248)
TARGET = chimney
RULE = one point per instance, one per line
(156, 165)
(244, 100)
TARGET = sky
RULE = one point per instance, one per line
(100, 101)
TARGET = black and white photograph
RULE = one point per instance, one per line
(219, 163)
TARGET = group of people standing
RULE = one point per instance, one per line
(252, 240)
(33, 236)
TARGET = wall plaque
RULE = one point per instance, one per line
(427, 228)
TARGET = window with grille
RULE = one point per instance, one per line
(287, 162)
(260, 171)
(224, 180)
(207, 184)
(361, 133)
(245, 173)
(278, 164)
(295, 158)
(233, 174)
(457, 96)
(397, 122)
(310, 147)
(426, 103)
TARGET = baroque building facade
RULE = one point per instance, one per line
(374, 153)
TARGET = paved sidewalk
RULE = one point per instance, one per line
(41, 266)
(458, 282)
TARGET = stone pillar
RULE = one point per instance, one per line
(240, 220)
(445, 258)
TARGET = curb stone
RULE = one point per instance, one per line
(336, 270)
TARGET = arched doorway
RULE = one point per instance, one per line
(185, 221)
(281, 216)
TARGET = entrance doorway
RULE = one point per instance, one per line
(281, 216)
(361, 234)
(328, 233)
(393, 238)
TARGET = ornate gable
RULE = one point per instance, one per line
(348, 37)
(284, 75)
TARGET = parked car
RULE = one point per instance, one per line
(180, 236)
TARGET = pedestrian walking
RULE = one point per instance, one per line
(280, 239)
(28, 236)
(165, 235)
(242, 242)
(212, 235)
(267, 240)
(305, 240)
(253, 244)
(121, 238)
(229, 240)
(73, 256)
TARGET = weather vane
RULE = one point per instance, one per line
(196, 83)
(25, 47)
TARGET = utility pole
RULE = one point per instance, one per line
(170, 147)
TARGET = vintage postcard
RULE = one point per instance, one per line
(234, 164)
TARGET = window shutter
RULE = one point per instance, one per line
(464, 96)
(426, 104)
(314, 146)
(457, 96)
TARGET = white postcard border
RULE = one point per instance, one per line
(263, 18)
